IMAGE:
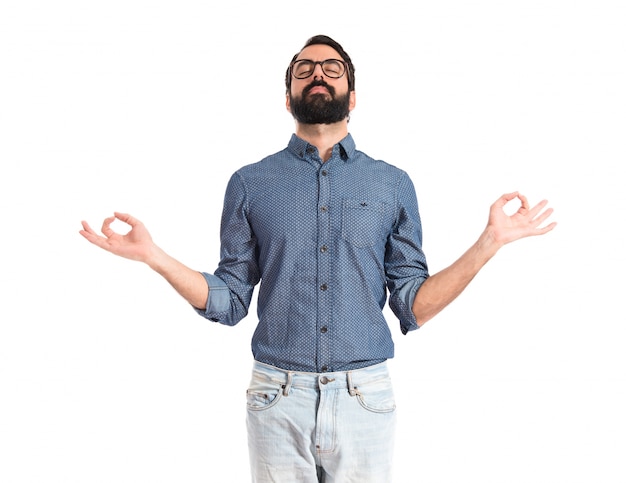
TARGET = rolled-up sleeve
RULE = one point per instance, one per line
(405, 263)
(218, 301)
(232, 284)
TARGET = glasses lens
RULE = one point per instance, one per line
(303, 69)
(333, 68)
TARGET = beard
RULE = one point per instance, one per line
(317, 109)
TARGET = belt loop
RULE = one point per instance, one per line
(287, 387)
(352, 390)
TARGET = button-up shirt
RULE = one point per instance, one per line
(328, 241)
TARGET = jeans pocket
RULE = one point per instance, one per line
(362, 222)
(263, 394)
(377, 396)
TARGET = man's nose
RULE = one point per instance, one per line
(315, 67)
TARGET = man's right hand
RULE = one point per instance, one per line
(137, 244)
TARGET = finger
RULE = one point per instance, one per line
(542, 217)
(97, 240)
(87, 228)
(126, 218)
(545, 229)
(537, 208)
(524, 201)
(106, 226)
(505, 198)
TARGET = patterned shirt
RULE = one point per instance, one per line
(327, 240)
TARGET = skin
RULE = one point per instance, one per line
(435, 293)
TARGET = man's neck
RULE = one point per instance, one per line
(323, 136)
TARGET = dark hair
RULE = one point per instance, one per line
(324, 40)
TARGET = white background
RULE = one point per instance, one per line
(106, 375)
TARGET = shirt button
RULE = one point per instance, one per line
(323, 330)
(324, 173)
(323, 249)
(310, 150)
(323, 287)
(324, 209)
(324, 368)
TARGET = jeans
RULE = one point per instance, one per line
(335, 427)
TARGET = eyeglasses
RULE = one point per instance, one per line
(333, 68)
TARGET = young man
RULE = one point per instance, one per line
(327, 230)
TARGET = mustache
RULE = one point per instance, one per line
(319, 83)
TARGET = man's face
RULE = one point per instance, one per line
(319, 99)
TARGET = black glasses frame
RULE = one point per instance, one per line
(321, 63)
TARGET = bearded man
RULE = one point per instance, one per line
(331, 235)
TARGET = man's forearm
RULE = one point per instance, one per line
(190, 284)
(443, 287)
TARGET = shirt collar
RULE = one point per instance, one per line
(301, 148)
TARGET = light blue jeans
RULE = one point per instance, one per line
(335, 427)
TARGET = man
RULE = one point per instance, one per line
(328, 231)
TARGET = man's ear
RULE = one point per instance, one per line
(288, 103)
(352, 104)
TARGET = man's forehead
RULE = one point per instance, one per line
(318, 52)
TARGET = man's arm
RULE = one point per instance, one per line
(443, 287)
(137, 245)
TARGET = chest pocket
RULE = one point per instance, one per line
(362, 222)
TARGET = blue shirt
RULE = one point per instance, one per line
(327, 240)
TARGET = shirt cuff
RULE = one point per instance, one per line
(406, 296)
(218, 301)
